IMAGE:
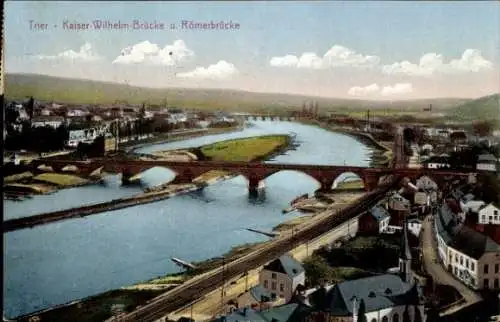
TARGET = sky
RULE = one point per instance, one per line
(362, 50)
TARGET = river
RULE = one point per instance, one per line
(68, 260)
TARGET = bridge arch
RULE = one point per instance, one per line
(286, 176)
(348, 181)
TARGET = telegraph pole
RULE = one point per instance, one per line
(223, 283)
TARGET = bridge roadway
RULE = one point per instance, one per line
(199, 286)
(253, 171)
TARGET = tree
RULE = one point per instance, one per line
(362, 311)
(482, 128)
(30, 107)
(317, 270)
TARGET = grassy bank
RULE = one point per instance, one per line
(61, 180)
(247, 149)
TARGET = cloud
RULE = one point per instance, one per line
(375, 90)
(221, 70)
(396, 89)
(471, 61)
(86, 53)
(364, 91)
(337, 56)
(149, 53)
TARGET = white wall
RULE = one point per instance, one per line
(489, 215)
(378, 316)
(486, 167)
(281, 279)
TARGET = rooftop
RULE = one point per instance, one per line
(378, 292)
(379, 213)
(462, 237)
(286, 264)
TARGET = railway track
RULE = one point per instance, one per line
(198, 287)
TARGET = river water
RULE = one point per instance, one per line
(68, 260)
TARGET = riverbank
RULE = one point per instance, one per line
(382, 152)
(23, 185)
(131, 146)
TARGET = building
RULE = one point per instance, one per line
(384, 298)
(486, 162)
(398, 207)
(282, 313)
(437, 162)
(489, 214)
(376, 220)
(466, 253)
(257, 298)
(282, 276)
(52, 121)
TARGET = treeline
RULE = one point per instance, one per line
(38, 139)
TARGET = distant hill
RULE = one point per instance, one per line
(483, 108)
(68, 90)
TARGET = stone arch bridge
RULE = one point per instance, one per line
(254, 172)
(266, 117)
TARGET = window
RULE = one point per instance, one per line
(456, 270)
(495, 212)
(467, 263)
(385, 319)
(273, 276)
(491, 218)
(461, 260)
(483, 218)
(374, 320)
(485, 268)
(495, 283)
(456, 258)
(273, 296)
(273, 286)
(282, 287)
(496, 268)
(472, 266)
(486, 283)
(395, 317)
(266, 285)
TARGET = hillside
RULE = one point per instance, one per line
(483, 108)
(67, 90)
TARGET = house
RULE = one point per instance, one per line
(489, 214)
(486, 162)
(437, 162)
(52, 121)
(376, 220)
(282, 313)
(398, 207)
(466, 253)
(76, 112)
(384, 297)
(257, 298)
(282, 276)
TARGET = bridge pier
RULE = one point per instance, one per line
(253, 186)
(370, 182)
(126, 177)
(326, 185)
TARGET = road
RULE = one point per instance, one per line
(436, 270)
(202, 285)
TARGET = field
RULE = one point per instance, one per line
(247, 149)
